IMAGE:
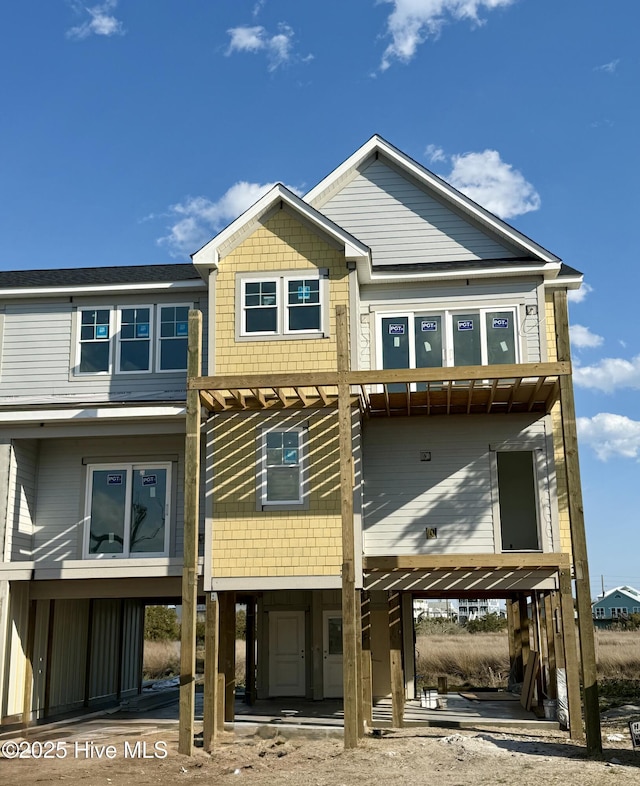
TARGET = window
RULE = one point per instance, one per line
(599, 612)
(127, 340)
(619, 612)
(280, 481)
(127, 510)
(287, 305)
(453, 337)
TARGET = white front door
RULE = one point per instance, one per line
(332, 654)
(286, 653)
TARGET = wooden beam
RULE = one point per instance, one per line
(385, 389)
(578, 535)
(227, 654)
(525, 637)
(511, 561)
(552, 679)
(492, 395)
(571, 655)
(382, 376)
(281, 395)
(359, 667)
(367, 676)
(208, 400)
(349, 649)
(323, 395)
(302, 397)
(449, 385)
(211, 650)
(517, 639)
(395, 658)
(190, 541)
(514, 391)
(470, 395)
(259, 396)
(239, 397)
(408, 398)
(536, 389)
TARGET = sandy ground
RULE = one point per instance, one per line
(266, 758)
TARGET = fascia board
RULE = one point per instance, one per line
(435, 183)
(366, 276)
(90, 414)
(209, 257)
(101, 289)
(566, 282)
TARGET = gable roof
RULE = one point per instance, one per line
(378, 147)
(224, 242)
(630, 592)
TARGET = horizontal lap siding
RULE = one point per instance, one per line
(453, 492)
(39, 352)
(21, 510)
(401, 223)
(61, 488)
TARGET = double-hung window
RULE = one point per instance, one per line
(448, 337)
(285, 305)
(132, 339)
(281, 467)
(127, 510)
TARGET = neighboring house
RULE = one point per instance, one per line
(377, 419)
(470, 609)
(434, 609)
(616, 604)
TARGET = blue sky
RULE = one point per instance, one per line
(130, 132)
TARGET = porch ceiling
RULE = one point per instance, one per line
(525, 387)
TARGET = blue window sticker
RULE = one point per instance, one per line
(465, 324)
(500, 322)
(182, 328)
(290, 456)
(102, 331)
(304, 292)
(149, 480)
(142, 330)
(396, 329)
(114, 479)
(428, 324)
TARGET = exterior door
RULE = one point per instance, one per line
(286, 653)
(332, 654)
(395, 346)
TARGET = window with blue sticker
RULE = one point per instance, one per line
(95, 345)
(134, 350)
(173, 339)
(281, 305)
(282, 467)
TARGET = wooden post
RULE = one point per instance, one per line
(552, 679)
(211, 647)
(367, 677)
(190, 542)
(349, 648)
(518, 670)
(220, 691)
(250, 676)
(538, 645)
(571, 656)
(359, 666)
(523, 607)
(227, 653)
(578, 535)
(395, 657)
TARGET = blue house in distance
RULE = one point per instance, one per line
(615, 605)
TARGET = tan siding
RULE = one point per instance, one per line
(21, 512)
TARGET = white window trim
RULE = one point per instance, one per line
(118, 339)
(128, 468)
(157, 343)
(80, 342)
(281, 277)
(262, 503)
(447, 315)
(114, 340)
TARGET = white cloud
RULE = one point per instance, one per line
(435, 154)
(413, 21)
(197, 219)
(494, 184)
(101, 21)
(578, 295)
(583, 338)
(610, 435)
(608, 68)
(257, 8)
(278, 48)
(609, 374)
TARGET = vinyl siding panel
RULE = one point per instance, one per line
(410, 296)
(68, 654)
(61, 489)
(39, 353)
(16, 642)
(453, 491)
(105, 649)
(132, 643)
(401, 223)
(21, 509)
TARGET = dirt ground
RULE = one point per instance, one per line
(409, 756)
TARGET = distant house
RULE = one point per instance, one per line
(617, 604)
(475, 608)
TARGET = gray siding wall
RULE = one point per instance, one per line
(105, 649)
(39, 352)
(408, 296)
(62, 481)
(21, 509)
(453, 491)
(132, 644)
(401, 223)
(68, 654)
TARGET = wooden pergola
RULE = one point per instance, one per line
(495, 389)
